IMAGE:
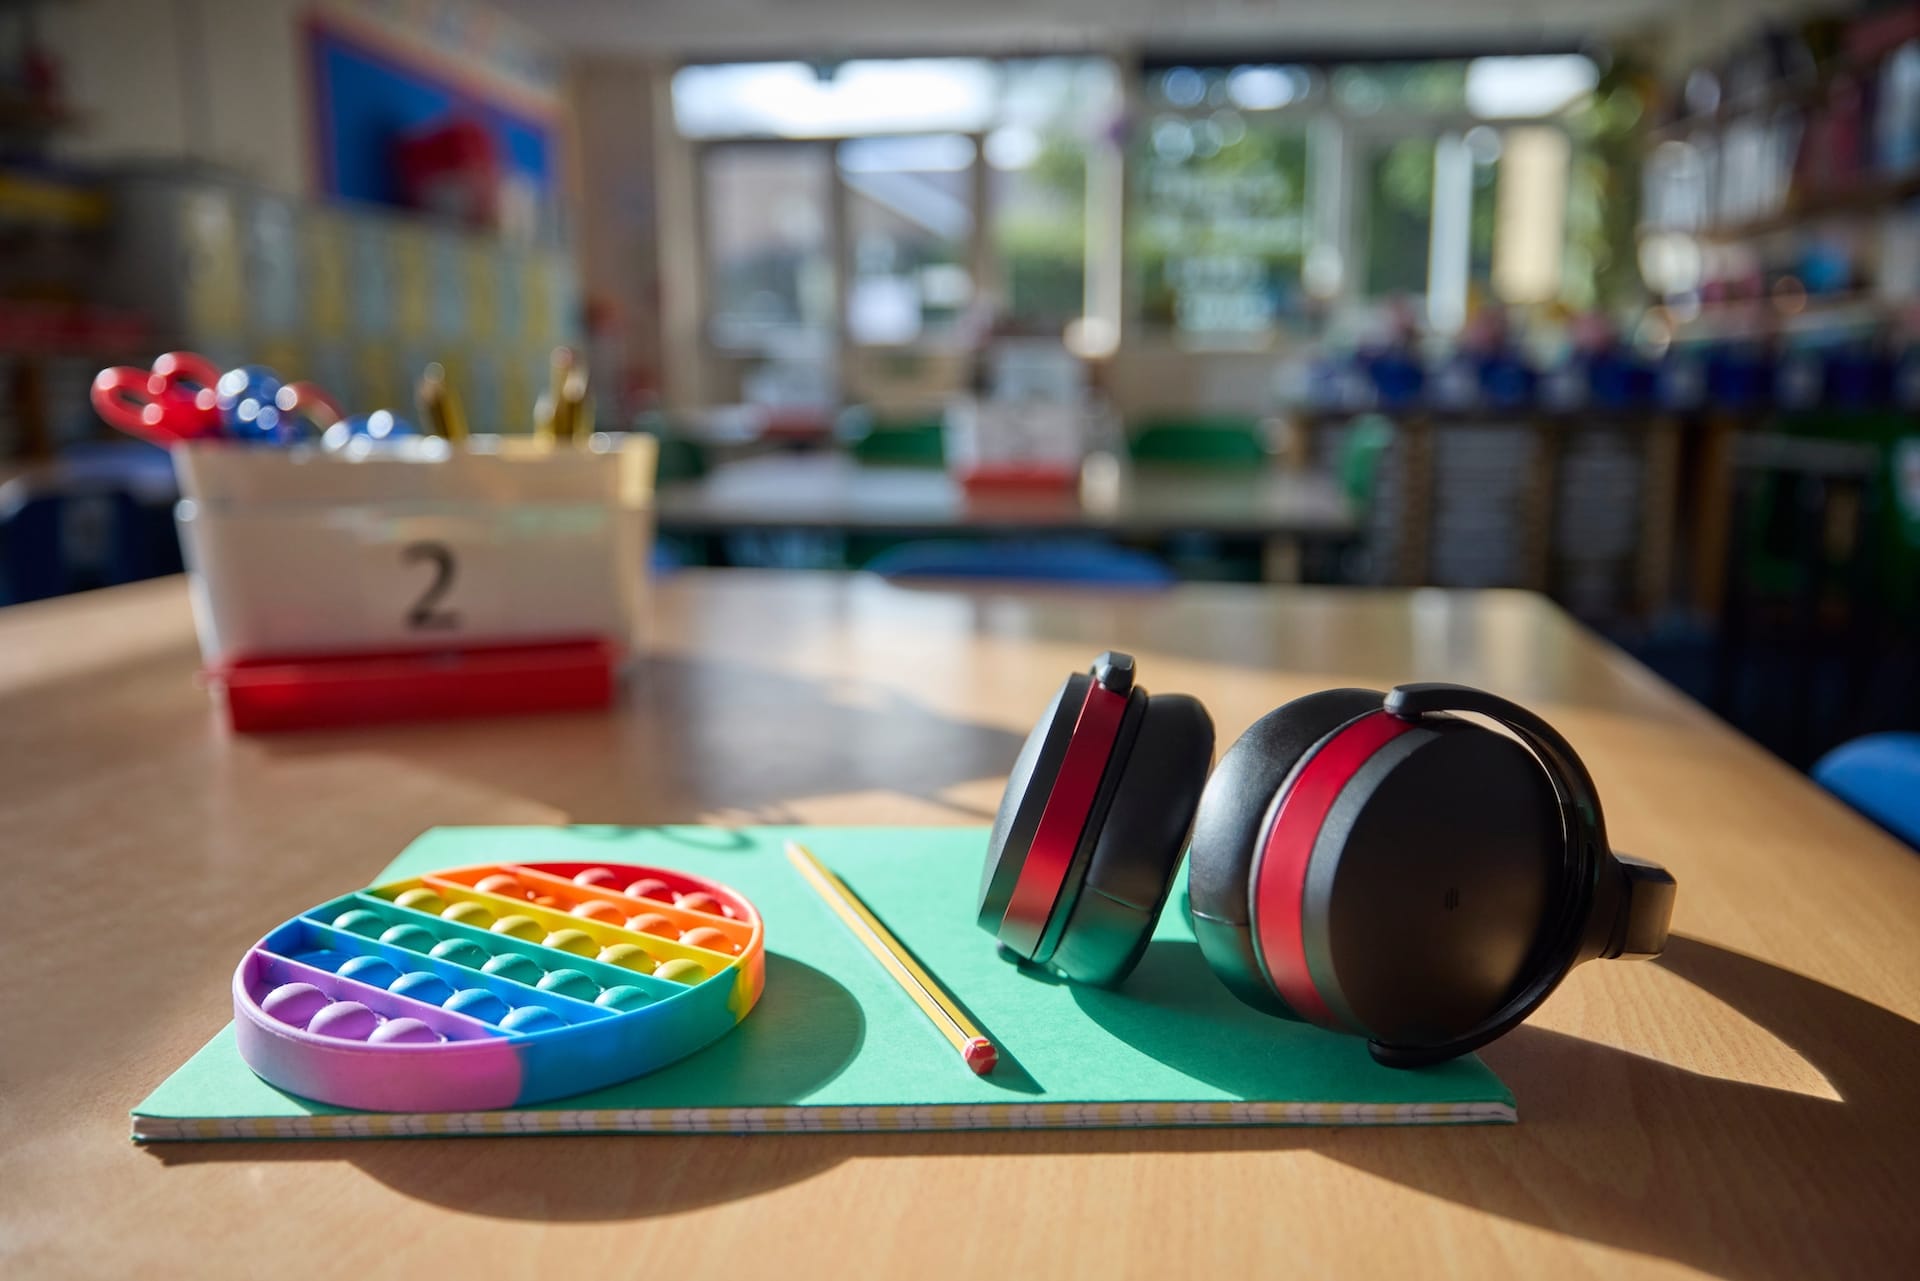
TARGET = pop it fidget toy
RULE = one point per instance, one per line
(485, 987)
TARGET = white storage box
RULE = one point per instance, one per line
(429, 546)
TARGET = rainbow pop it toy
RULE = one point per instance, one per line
(496, 985)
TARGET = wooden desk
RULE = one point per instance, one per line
(831, 493)
(827, 491)
(1744, 1108)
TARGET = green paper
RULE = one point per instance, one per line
(835, 1044)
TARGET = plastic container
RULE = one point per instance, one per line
(421, 581)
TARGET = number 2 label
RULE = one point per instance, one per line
(426, 614)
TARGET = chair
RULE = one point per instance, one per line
(33, 565)
(1090, 563)
(882, 442)
(1879, 775)
(95, 518)
(1227, 440)
(1366, 442)
(679, 457)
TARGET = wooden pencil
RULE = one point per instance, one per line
(976, 1051)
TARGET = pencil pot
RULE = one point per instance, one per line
(416, 582)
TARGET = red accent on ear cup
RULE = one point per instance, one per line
(1280, 875)
(1044, 872)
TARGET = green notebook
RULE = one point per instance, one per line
(835, 1045)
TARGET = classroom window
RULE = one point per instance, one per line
(909, 212)
(769, 248)
(933, 190)
(907, 202)
(1220, 201)
(1052, 113)
(834, 99)
(1398, 190)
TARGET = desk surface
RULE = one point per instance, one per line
(1745, 1107)
(828, 491)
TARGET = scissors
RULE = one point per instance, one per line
(171, 402)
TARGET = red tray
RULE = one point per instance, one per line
(315, 691)
(1019, 478)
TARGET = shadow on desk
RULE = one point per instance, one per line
(1614, 1147)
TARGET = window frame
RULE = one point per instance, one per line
(1336, 203)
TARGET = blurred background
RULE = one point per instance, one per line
(1615, 301)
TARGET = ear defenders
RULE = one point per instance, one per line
(1369, 863)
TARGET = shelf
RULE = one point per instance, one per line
(1869, 196)
(1806, 91)
(24, 116)
(1805, 94)
(1759, 318)
(31, 199)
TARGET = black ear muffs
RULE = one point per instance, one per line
(1370, 863)
(1226, 832)
(1092, 824)
(1406, 875)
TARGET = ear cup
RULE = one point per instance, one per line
(1135, 845)
(1025, 798)
(1053, 806)
(1227, 828)
(1433, 887)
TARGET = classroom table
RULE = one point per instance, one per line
(1744, 1107)
(831, 493)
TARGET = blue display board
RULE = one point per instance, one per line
(364, 99)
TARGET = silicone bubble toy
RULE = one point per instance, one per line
(496, 986)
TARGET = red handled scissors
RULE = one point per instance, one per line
(171, 402)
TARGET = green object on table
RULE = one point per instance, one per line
(1361, 449)
(1225, 440)
(879, 441)
(835, 1044)
(679, 457)
(1893, 525)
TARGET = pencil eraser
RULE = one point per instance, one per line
(294, 1004)
(375, 971)
(980, 1055)
(469, 913)
(348, 1020)
(577, 942)
(597, 876)
(461, 952)
(512, 965)
(628, 956)
(404, 1032)
(415, 938)
(570, 983)
(422, 985)
(422, 899)
(520, 927)
(477, 1003)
